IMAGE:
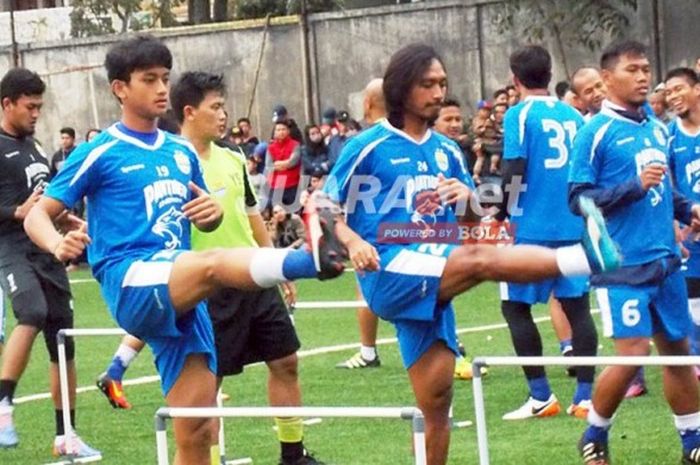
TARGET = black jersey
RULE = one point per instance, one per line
(23, 168)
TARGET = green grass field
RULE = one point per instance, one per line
(643, 433)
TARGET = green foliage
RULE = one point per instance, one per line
(249, 9)
(587, 22)
(97, 17)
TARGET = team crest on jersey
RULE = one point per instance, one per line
(660, 136)
(183, 162)
(169, 227)
(441, 160)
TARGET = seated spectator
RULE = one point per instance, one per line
(500, 96)
(259, 156)
(316, 181)
(287, 229)
(513, 95)
(561, 88)
(314, 153)
(657, 100)
(247, 131)
(283, 166)
(280, 115)
(484, 134)
(329, 126)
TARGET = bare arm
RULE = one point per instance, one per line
(260, 232)
(362, 254)
(39, 225)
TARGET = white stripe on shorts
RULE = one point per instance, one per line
(143, 274)
(418, 264)
(603, 299)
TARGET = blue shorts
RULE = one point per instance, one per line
(137, 294)
(642, 311)
(405, 292)
(539, 292)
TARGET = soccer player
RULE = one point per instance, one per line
(588, 86)
(620, 161)
(35, 282)
(539, 134)
(683, 96)
(417, 182)
(367, 357)
(144, 190)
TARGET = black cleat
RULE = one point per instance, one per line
(691, 456)
(329, 254)
(306, 459)
(594, 453)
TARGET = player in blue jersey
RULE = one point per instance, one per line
(539, 133)
(400, 180)
(620, 161)
(683, 96)
(144, 189)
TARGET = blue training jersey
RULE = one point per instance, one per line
(611, 150)
(135, 189)
(383, 177)
(541, 130)
(684, 152)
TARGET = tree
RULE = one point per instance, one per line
(249, 9)
(97, 17)
(567, 22)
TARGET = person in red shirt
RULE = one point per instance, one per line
(283, 167)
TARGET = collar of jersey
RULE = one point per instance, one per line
(387, 125)
(612, 110)
(541, 98)
(684, 130)
(114, 131)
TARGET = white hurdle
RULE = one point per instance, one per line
(479, 362)
(63, 379)
(403, 413)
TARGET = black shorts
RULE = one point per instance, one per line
(693, 287)
(250, 327)
(37, 286)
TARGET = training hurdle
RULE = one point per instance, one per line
(479, 362)
(63, 379)
(404, 413)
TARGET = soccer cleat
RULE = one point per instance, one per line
(463, 369)
(570, 370)
(636, 389)
(113, 391)
(329, 254)
(594, 453)
(691, 456)
(78, 448)
(8, 434)
(306, 459)
(461, 349)
(534, 408)
(602, 253)
(579, 410)
(358, 361)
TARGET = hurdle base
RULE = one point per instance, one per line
(74, 460)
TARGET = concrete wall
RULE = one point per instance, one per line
(36, 25)
(346, 50)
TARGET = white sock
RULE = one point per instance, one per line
(595, 419)
(572, 261)
(125, 354)
(266, 267)
(690, 421)
(369, 353)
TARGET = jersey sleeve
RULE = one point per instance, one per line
(458, 168)
(197, 172)
(337, 185)
(80, 175)
(514, 134)
(585, 157)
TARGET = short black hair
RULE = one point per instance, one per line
(686, 73)
(509, 87)
(68, 130)
(138, 53)
(450, 102)
(243, 120)
(192, 88)
(20, 81)
(500, 92)
(611, 55)
(406, 67)
(561, 88)
(532, 65)
(90, 131)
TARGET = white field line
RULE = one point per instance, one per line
(300, 354)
